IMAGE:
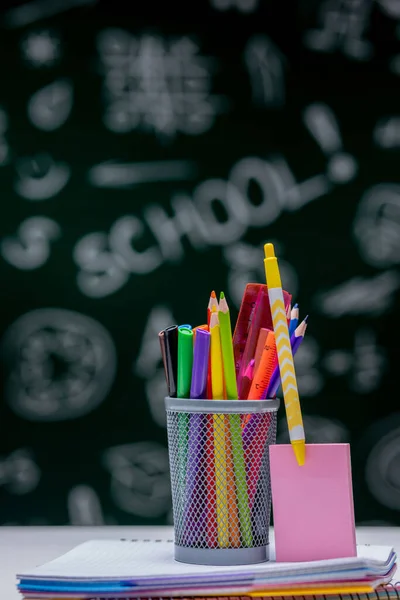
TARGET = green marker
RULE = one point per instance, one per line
(234, 421)
(185, 362)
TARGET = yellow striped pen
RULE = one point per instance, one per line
(285, 356)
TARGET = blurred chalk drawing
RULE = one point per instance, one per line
(148, 364)
(4, 147)
(323, 126)
(266, 65)
(19, 473)
(363, 367)
(319, 430)
(386, 133)
(360, 296)
(390, 7)
(59, 364)
(140, 482)
(309, 378)
(37, 10)
(343, 25)
(30, 248)
(40, 177)
(41, 48)
(382, 469)
(156, 84)
(84, 507)
(243, 6)
(376, 225)
(50, 107)
(244, 266)
(106, 261)
(114, 175)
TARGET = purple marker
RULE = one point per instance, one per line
(195, 513)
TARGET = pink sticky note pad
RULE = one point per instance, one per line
(313, 504)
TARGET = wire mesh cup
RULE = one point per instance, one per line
(220, 478)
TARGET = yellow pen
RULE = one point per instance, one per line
(285, 356)
(217, 387)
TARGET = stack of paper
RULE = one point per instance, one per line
(147, 568)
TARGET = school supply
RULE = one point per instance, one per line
(147, 568)
(161, 339)
(171, 355)
(295, 342)
(262, 338)
(285, 357)
(391, 591)
(234, 424)
(313, 505)
(294, 319)
(248, 378)
(264, 372)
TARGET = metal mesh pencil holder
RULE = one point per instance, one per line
(220, 478)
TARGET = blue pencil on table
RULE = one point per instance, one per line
(294, 319)
(195, 514)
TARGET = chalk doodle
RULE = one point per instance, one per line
(360, 296)
(49, 107)
(84, 506)
(376, 226)
(39, 177)
(322, 124)
(386, 133)
(156, 84)
(19, 472)
(59, 364)
(363, 367)
(41, 48)
(30, 248)
(382, 473)
(343, 27)
(266, 66)
(140, 482)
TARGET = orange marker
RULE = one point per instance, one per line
(265, 370)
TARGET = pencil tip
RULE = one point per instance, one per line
(221, 296)
(214, 320)
(306, 319)
(213, 294)
(269, 251)
(296, 305)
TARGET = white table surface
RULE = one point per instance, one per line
(24, 547)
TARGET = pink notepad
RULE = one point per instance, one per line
(312, 505)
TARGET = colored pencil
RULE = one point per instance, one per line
(234, 421)
(285, 356)
(161, 339)
(294, 319)
(217, 383)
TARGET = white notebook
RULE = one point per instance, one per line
(148, 564)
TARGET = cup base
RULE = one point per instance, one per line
(221, 556)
